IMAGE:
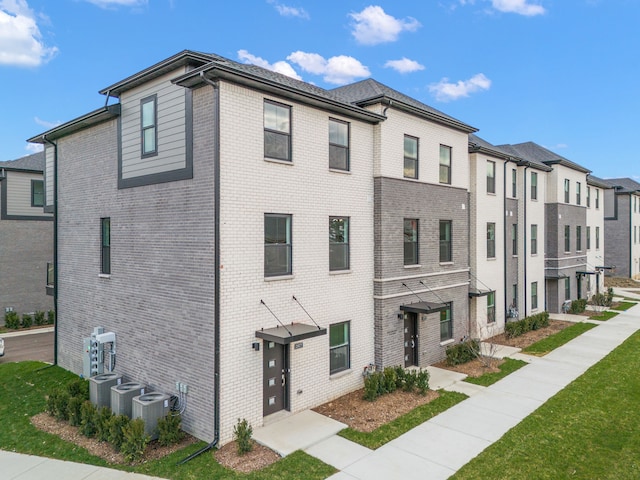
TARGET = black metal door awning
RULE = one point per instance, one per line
(293, 332)
(424, 307)
(477, 292)
(554, 276)
(585, 273)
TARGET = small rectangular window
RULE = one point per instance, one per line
(588, 238)
(578, 193)
(338, 145)
(534, 186)
(534, 295)
(567, 288)
(491, 240)
(445, 164)
(491, 307)
(588, 196)
(514, 238)
(338, 243)
(105, 254)
(578, 238)
(514, 183)
(148, 123)
(410, 241)
(534, 239)
(597, 238)
(339, 343)
(445, 241)
(37, 193)
(597, 198)
(491, 177)
(277, 131)
(514, 300)
(566, 190)
(277, 245)
(446, 323)
(567, 238)
(410, 157)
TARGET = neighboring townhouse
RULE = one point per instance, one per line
(421, 226)
(595, 235)
(565, 226)
(228, 242)
(622, 222)
(25, 236)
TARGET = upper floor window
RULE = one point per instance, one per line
(149, 125)
(566, 190)
(491, 240)
(588, 238)
(588, 196)
(597, 198)
(37, 193)
(491, 177)
(578, 238)
(597, 238)
(338, 243)
(514, 183)
(105, 242)
(446, 323)
(534, 239)
(491, 307)
(338, 144)
(277, 131)
(567, 238)
(514, 238)
(410, 241)
(410, 157)
(534, 295)
(445, 241)
(445, 164)
(578, 187)
(534, 186)
(277, 245)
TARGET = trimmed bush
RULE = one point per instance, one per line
(242, 432)
(390, 378)
(38, 318)
(379, 383)
(134, 440)
(534, 322)
(12, 320)
(79, 388)
(27, 320)
(51, 317)
(88, 419)
(58, 404)
(170, 429)
(103, 423)
(74, 412)
(373, 385)
(578, 306)
(463, 352)
(422, 382)
(117, 426)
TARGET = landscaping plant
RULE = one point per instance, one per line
(170, 429)
(135, 440)
(242, 432)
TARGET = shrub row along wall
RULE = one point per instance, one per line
(534, 322)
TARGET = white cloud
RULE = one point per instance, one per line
(20, 39)
(373, 26)
(338, 70)
(280, 67)
(445, 91)
(34, 147)
(521, 7)
(118, 3)
(287, 11)
(404, 65)
(46, 124)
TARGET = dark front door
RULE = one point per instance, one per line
(275, 377)
(410, 339)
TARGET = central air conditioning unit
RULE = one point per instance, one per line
(150, 407)
(122, 396)
(100, 388)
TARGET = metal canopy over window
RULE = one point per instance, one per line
(424, 307)
(477, 292)
(293, 332)
(554, 276)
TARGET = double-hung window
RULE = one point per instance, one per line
(491, 307)
(567, 238)
(578, 193)
(534, 239)
(588, 196)
(514, 238)
(338, 243)
(105, 243)
(534, 186)
(277, 245)
(567, 288)
(338, 145)
(597, 238)
(149, 125)
(277, 131)
(410, 241)
(445, 164)
(410, 157)
(514, 183)
(578, 238)
(588, 238)
(534, 295)
(445, 241)
(446, 323)
(37, 193)
(491, 240)
(339, 342)
(567, 190)
(597, 198)
(491, 177)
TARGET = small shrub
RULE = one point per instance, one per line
(79, 388)
(390, 378)
(463, 352)
(38, 318)
(58, 405)
(117, 425)
(422, 382)
(578, 306)
(170, 430)
(103, 422)
(51, 317)
(400, 374)
(134, 440)
(242, 432)
(27, 320)
(533, 322)
(410, 381)
(74, 411)
(12, 320)
(52, 402)
(373, 385)
(88, 419)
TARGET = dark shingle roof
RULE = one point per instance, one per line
(597, 182)
(624, 185)
(538, 154)
(479, 144)
(370, 91)
(33, 162)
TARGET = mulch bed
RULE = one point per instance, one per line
(259, 457)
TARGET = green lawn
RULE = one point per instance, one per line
(603, 316)
(622, 306)
(552, 342)
(23, 387)
(589, 430)
(403, 424)
(510, 365)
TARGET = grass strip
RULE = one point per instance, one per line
(622, 306)
(406, 422)
(603, 316)
(552, 342)
(23, 387)
(589, 430)
(510, 365)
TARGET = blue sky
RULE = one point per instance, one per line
(561, 73)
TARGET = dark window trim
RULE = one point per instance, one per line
(33, 184)
(348, 345)
(449, 321)
(491, 180)
(514, 182)
(534, 297)
(289, 245)
(289, 134)
(417, 242)
(578, 238)
(567, 191)
(347, 147)
(567, 238)
(448, 243)
(3, 208)
(578, 193)
(105, 250)
(534, 186)
(151, 98)
(493, 240)
(184, 173)
(514, 238)
(416, 160)
(347, 243)
(534, 239)
(449, 167)
(491, 308)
